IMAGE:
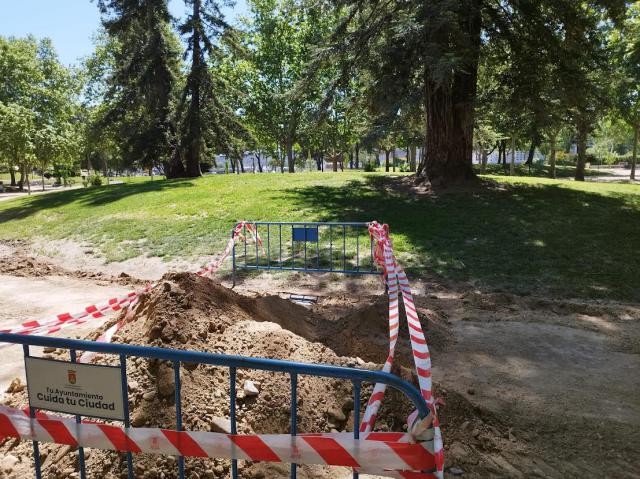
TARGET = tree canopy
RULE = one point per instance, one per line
(302, 82)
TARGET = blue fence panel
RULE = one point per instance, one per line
(310, 247)
(233, 363)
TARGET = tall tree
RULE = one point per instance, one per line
(38, 96)
(209, 121)
(433, 48)
(626, 44)
(143, 84)
(584, 57)
(280, 39)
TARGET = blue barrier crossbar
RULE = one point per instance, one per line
(176, 357)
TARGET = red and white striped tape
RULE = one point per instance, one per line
(398, 284)
(388, 454)
(64, 320)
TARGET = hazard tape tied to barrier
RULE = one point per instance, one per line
(398, 284)
(100, 310)
(388, 454)
(339, 449)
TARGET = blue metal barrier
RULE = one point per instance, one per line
(309, 247)
(233, 363)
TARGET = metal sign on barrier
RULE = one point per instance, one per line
(81, 389)
(305, 234)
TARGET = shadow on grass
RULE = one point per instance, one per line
(95, 196)
(542, 239)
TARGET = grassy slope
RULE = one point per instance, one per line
(528, 235)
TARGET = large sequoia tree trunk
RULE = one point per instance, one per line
(450, 105)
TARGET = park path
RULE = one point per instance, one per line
(49, 189)
(29, 298)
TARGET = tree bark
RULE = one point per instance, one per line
(12, 175)
(552, 154)
(582, 149)
(512, 165)
(450, 106)
(194, 136)
(257, 155)
(22, 175)
(413, 151)
(532, 151)
(636, 127)
(386, 160)
(290, 158)
(393, 159)
(483, 161)
(357, 158)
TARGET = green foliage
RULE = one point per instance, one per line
(369, 167)
(92, 180)
(38, 103)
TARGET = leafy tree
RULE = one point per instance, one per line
(17, 128)
(626, 45)
(56, 105)
(584, 57)
(39, 100)
(281, 34)
(20, 75)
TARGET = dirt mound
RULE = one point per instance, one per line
(190, 312)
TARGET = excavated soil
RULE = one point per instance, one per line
(190, 312)
(18, 259)
(531, 387)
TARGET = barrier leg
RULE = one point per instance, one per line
(356, 417)
(232, 416)
(125, 403)
(176, 372)
(83, 469)
(294, 417)
(32, 414)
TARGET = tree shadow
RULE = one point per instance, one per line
(526, 239)
(94, 196)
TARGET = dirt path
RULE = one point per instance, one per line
(27, 299)
(563, 375)
(33, 288)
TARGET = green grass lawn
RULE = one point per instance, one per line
(522, 234)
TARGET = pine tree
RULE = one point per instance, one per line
(144, 81)
(208, 122)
